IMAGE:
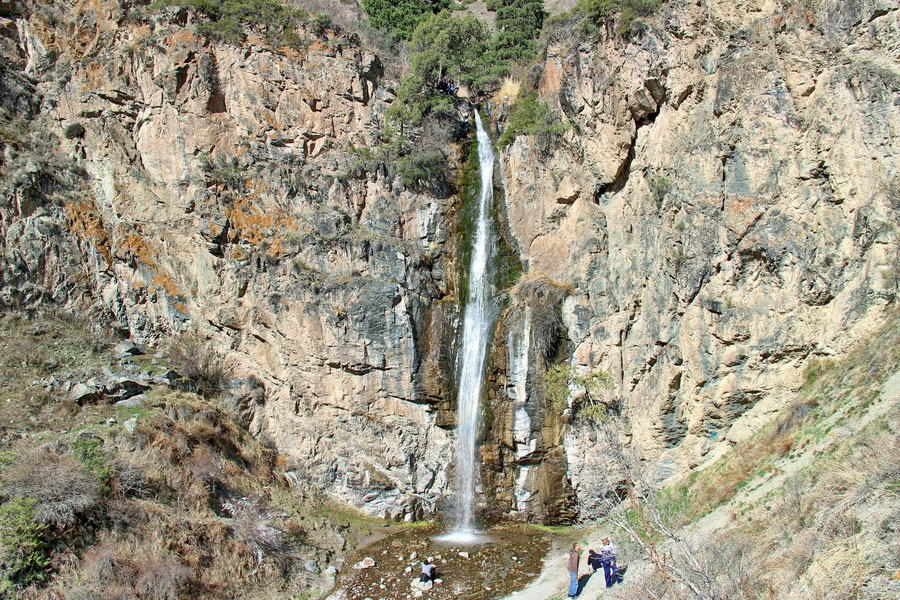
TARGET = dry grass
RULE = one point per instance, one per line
(509, 91)
(143, 515)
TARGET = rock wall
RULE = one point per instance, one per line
(724, 205)
(185, 185)
(721, 209)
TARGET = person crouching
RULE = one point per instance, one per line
(428, 571)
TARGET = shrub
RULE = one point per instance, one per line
(530, 115)
(544, 297)
(562, 380)
(421, 170)
(228, 17)
(604, 11)
(24, 545)
(162, 578)
(63, 492)
(201, 370)
(224, 170)
(660, 186)
(321, 23)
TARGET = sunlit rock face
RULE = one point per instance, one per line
(721, 208)
(724, 205)
(217, 188)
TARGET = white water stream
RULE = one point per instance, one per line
(476, 329)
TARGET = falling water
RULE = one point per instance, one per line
(476, 329)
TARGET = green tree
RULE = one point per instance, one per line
(442, 46)
(401, 17)
(519, 24)
(530, 115)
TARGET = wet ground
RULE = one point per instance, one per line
(507, 559)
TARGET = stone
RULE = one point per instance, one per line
(83, 393)
(366, 563)
(464, 554)
(126, 349)
(130, 425)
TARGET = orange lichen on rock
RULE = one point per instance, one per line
(252, 224)
(131, 242)
(86, 221)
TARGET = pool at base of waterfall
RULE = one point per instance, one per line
(498, 561)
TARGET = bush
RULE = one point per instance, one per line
(421, 170)
(201, 370)
(562, 380)
(660, 186)
(162, 578)
(24, 545)
(228, 17)
(544, 297)
(601, 11)
(530, 115)
(63, 492)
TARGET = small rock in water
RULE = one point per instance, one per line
(464, 554)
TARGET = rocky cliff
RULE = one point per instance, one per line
(184, 185)
(724, 207)
(721, 208)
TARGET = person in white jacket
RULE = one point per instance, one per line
(607, 554)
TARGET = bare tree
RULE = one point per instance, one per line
(682, 568)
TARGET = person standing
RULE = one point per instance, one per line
(573, 569)
(607, 554)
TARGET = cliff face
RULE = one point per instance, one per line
(725, 206)
(722, 207)
(214, 187)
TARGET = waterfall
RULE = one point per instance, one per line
(476, 331)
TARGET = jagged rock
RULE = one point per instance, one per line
(130, 424)
(126, 349)
(83, 393)
(133, 401)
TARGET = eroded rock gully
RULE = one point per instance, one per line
(722, 208)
